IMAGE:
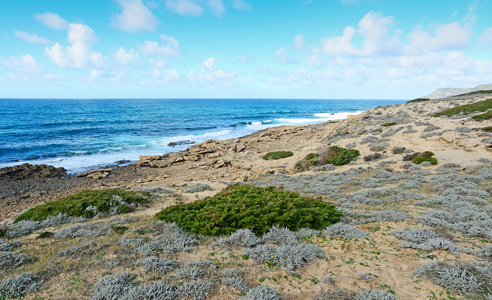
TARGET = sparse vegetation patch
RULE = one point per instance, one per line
(418, 100)
(333, 155)
(467, 109)
(420, 157)
(251, 207)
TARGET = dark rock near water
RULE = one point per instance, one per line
(28, 171)
(180, 143)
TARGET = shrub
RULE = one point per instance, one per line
(335, 294)
(345, 232)
(159, 265)
(482, 117)
(466, 109)
(289, 256)
(374, 156)
(251, 207)
(333, 155)
(466, 278)
(374, 295)
(418, 100)
(240, 237)
(388, 124)
(201, 187)
(82, 204)
(83, 230)
(196, 289)
(262, 293)
(420, 157)
(17, 287)
(158, 290)
(10, 259)
(8, 246)
(415, 235)
(277, 155)
(398, 150)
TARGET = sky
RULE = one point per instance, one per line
(317, 49)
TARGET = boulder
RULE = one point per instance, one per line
(28, 171)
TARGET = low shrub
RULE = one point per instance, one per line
(374, 295)
(467, 109)
(466, 278)
(343, 231)
(333, 155)
(335, 294)
(262, 292)
(388, 124)
(418, 100)
(420, 157)
(87, 204)
(201, 187)
(482, 117)
(277, 155)
(251, 207)
(487, 129)
(374, 156)
(17, 287)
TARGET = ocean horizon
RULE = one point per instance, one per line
(83, 134)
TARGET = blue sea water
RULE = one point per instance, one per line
(83, 134)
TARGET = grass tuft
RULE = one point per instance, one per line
(251, 207)
(418, 100)
(333, 155)
(468, 109)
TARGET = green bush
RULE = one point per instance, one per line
(482, 117)
(418, 100)
(277, 155)
(468, 109)
(333, 155)
(251, 207)
(424, 156)
(487, 129)
(388, 124)
(76, 205)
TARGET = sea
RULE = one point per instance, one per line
(84, 134)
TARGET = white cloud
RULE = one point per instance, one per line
(165, 75)
(170, 47)
(52, 20)
(125, 57)
(209, 63)
(217, 7)
(184, 7)
(31, 37)
(79, 54)
(245, 59)
(80, 33)
(209, 73)
(450, 36)
(24, 64)
(157, 63)
(340, 45)
(135, 17)
(241, 5)
(299, 43)
(314, 60)
(378, 37)
(486, 37)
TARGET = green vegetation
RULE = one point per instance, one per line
(251, 207)
(468, 109)
(333, 155)
(481, 117)
(424, 156)
(487, 129)
(388, 124)
(76, 205)
(277, 155)
(418, 100)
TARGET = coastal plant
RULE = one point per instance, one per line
(156, 264)
(83, 230)
(280, 235)
(374, 295)
(332, 155)
(17, 287)
(201, 187)
(110, 287)
(262, 293)
(384, 216)
(420, 157)
(233, 277)
(251, 207)
(335, 294)
(466, 109)
(418, 100)
(344, 231)
(87, 204)
(365, 276)
(195, 289)
(11, 259)
(194, 270)
(398, 150)
(159, 290)
(168, 243)
(435, 244)
(8, 246)
(374, 156)
(240, 237)
(329, 279)
(466, 278)
(277, 155)
(420, 235)
(288, 257)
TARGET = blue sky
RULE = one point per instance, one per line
(345, 49)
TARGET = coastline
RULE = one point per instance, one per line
(372, 184)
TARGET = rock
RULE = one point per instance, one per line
(98, 175)
(28, 171)
(180, 143)
(448, 136)
(150, 157)
(239, 147)
(253, 141)
(468, 143)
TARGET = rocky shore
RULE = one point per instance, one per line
(382, 179)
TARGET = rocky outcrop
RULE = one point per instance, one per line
(28, 171)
